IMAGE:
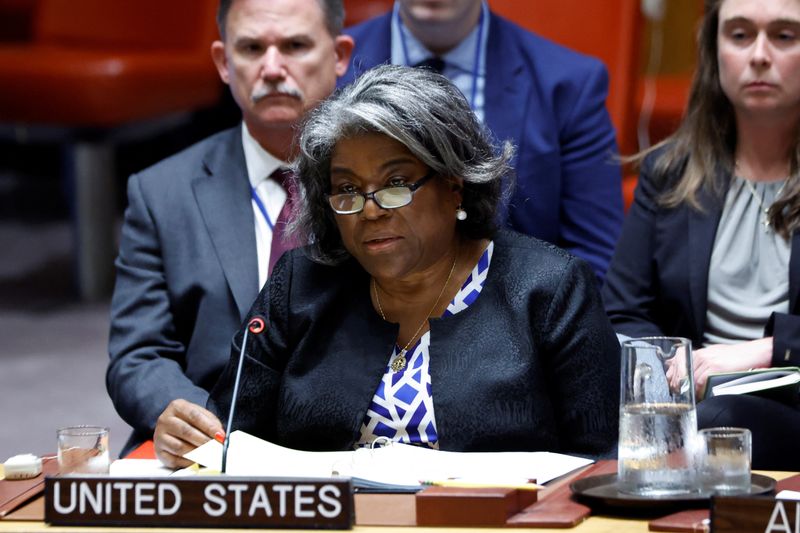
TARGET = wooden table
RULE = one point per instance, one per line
(594, 524)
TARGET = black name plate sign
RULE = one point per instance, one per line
(752, 514)
(199, 502)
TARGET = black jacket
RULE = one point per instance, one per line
(532, 364)
(658, 280)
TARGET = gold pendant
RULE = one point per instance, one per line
(399, 362)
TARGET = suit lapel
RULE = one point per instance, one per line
(503, 101)
(373, 48)
(506, 85)
(702, 226)
(794, 273)
(223, 197)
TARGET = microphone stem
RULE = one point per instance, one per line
(233, 402)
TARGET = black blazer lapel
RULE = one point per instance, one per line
(794, 273)
(702, 227)
(223, 197)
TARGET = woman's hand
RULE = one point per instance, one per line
(730, 358)
(182, 427)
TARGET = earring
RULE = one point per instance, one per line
(461, 214)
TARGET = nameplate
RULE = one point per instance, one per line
(736, 514)
(199, 502)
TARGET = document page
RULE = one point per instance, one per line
(393, 465)
(251, 456)
(139, 468)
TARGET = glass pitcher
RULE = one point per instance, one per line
(658, 421)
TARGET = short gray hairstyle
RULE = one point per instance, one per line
(427, 114)
(333, 10)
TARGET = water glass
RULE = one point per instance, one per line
(658, 421)
(724, 458)
(83, 450)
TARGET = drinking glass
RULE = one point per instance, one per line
(658, 421)
(83, 450)
(724, 459)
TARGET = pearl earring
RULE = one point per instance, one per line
(461, 214)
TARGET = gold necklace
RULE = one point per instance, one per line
(399, 362)
(758, 198)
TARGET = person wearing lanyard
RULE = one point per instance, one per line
(548, 100)
(203, 228)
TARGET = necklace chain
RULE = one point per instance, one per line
(399, 362)
(758, 198)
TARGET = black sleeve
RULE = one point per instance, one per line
(585, 365)
(630, 292)
(785, 332)
(264, 360)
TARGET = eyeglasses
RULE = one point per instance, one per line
(390, 197)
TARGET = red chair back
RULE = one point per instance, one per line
(113, 61)
(127, 24)
(356, 11)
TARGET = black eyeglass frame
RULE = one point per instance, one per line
(412, 187)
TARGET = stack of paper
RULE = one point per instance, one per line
(396, 465)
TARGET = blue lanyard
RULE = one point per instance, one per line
(261, 207)
(475, 63)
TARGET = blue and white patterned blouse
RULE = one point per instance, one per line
(402, 408)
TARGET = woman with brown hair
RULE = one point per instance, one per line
(710, 249)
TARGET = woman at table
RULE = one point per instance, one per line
(410, 316)
(710, 249)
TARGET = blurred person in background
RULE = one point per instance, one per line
(549, 101)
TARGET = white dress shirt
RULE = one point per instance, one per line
(260, 165)
(460, 65)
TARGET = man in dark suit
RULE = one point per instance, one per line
(548, 100)
(203, 227)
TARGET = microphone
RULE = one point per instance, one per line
(255, 326)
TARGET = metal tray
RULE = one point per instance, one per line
(602, 490)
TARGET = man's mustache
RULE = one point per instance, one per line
(271, 89)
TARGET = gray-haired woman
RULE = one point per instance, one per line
(409, 316)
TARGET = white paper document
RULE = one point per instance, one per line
(151, 468)
(139, 468)
(393, 465)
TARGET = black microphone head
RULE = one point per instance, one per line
(256, 325)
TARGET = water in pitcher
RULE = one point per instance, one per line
(656, 449)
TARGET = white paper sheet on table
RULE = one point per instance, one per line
(394, 465)
(139, 468)
(150, 468)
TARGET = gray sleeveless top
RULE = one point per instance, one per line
(748, 277)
